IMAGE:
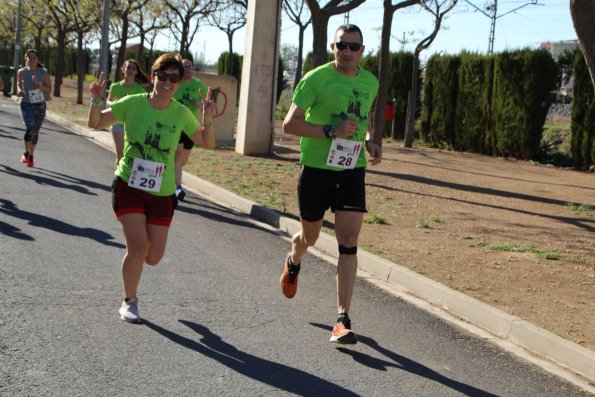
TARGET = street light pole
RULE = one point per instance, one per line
(17, 49)
(105, 53)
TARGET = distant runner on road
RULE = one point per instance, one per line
(330, 113)
(143, 192)
(189, 95)
(33, 87)
(133, 83)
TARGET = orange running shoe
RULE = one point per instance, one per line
(343, 335)
(289, 278)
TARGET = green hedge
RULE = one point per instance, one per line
(488, 104)
(583, 115)
(399, 75)
(438, 119)
(473, 128)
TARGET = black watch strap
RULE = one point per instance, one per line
(329, 131)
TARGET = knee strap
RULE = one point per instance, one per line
(347, 250)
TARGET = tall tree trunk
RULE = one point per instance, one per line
(383, 68)
(319, 26)
(230, 62)
(81, 63)
(184, 36)
(583, 18)
(412, 103)
(141, 48)
(300, 59)
(61, 43)
(122, 50)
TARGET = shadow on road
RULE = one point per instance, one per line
(75, 184)
(398, 361)
(14, 232)
(194, 207)
(9, 208)
(271, 373)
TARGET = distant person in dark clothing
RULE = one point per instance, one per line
(33, 87)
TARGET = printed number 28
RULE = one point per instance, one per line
(345, 161)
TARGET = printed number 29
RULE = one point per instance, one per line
(146, 182)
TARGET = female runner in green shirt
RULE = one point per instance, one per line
(143, 192)
(133, 83)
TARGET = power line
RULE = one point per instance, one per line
(491, 11)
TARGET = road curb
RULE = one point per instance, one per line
(502, 325)
(506, 327)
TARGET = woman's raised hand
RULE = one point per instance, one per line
(98, 88)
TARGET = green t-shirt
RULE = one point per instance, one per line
(188, 94)
(152, 134)
(329, 97)
(119, 91)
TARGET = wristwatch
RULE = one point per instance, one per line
(329, 131)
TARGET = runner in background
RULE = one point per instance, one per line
(133, 83)
(189, 95)
(33, 87)
(143, 196)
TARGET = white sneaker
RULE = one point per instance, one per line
(129, 311)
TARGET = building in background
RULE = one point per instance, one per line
(557, 48)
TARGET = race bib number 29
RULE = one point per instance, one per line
(344, 153)
(146, 175)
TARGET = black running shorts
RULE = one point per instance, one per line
(319, 190)
(159, 210)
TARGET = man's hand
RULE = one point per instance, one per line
(346, 127)
(375, 152)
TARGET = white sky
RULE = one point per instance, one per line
(464, 29)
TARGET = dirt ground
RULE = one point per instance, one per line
(443, 214)
(444, 210)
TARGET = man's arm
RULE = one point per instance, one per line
(295, 124)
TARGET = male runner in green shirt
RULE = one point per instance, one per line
(188, 95)
(330, 113)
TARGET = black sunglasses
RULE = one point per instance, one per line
(162, 76)
(342, 45)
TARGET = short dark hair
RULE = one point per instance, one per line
(167, 61)
(350, 29)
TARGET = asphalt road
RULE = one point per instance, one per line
(215, 321)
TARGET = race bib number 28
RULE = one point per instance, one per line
(344, 153)
(146, 175)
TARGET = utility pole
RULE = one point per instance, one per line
(346, 16)
(105, 52)
(491, 11)
(17, 49)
